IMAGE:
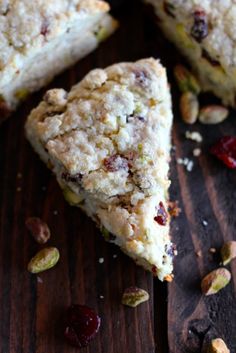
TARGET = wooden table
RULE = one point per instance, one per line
(31, 307)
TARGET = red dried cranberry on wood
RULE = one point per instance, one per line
(199, 30)
(162, 216)
(82, 324)
(225, 150)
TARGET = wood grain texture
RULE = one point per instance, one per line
(207, 193)
(32, 307)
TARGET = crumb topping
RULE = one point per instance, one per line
(25, 25)
(108, 140)
(111, 122)
(210, 22)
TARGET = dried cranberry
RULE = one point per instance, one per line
(115, 163)
(199, 30)
(82, 324)
(141, 77)
(162, 216)
(73, 178)
(225, 150)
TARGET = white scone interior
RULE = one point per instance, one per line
(108, 143)
(37, 41)
(204, 31)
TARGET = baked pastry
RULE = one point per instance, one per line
(40, 39)
(204, 31)
(108, 142)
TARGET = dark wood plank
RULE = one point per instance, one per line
(207, 193)
(31, 307)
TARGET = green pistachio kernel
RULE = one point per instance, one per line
(44, 260)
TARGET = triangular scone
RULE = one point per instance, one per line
(204, 32)
(108, 142)
(39, 39)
